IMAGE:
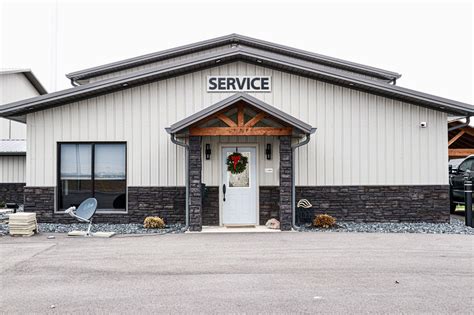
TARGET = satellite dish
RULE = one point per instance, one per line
(85, 212)
(87, 208)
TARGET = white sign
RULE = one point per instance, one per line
(239, 83)
(269, 170)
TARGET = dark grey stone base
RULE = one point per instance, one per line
(12, 192)
(41, 201)
(165, 202)
(210, 206)
(269, 203)
(428, 203)
(286, 174)
(195, 180)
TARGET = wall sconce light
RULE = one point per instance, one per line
(208, 151)
(268, 151)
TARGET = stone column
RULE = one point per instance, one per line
(285, 183)
(195, 170)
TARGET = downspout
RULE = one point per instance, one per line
(468, 121)
(186, 147)
(73, 83)
(293, 186)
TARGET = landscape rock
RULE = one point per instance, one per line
(273, 224)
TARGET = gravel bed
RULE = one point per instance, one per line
(102, 227)
(456, 226)
(3, 229)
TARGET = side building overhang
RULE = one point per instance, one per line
(15, 84)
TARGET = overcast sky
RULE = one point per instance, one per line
(429, 42)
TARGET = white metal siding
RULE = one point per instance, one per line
(12, 169)
(10, 129)
(361, 139)
(14, 87)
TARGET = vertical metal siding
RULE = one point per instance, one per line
(361, 139)
(12, 169)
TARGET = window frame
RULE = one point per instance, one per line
(92, 143)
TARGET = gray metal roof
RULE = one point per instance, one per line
(234, 39)
(263, 58)
(30, 76)
(12, 147)
(217, 107)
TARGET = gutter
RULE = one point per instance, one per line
(186, 146)
(468, 121)
(293, 186)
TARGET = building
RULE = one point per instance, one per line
(15, 84)
(143, 134)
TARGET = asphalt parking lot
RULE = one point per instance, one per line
(239, 273)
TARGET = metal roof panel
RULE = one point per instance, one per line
(233, 39)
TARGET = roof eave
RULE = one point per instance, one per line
(12, 153)
(35, 82)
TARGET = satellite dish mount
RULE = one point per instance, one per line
(84, 213)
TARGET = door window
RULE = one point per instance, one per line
(240, 180)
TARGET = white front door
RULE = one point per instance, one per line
(239, 203)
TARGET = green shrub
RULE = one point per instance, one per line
(324, 221)
(2, 204)
(153, 223)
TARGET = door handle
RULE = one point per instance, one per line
(223, 190)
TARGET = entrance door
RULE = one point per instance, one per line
(240, 205)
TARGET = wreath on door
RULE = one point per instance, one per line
(236, 163)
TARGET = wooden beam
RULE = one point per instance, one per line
(240, 131)
(229, 122)
(460, 152)
(469, 130)
(456, 137)
(252, 122)
(240, 115)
